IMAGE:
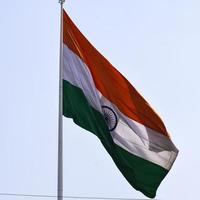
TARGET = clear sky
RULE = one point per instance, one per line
(154, 43)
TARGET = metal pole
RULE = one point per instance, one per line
(60, 114)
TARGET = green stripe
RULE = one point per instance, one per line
(143, 175)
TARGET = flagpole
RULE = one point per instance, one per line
(60, 114)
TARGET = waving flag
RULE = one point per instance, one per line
(100, 99)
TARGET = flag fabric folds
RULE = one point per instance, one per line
(99, 99)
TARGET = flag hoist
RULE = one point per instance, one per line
(101, 100)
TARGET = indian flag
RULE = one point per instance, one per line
(99, 99)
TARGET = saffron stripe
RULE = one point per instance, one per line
(107, 79)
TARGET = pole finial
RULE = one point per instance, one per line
(61, 1)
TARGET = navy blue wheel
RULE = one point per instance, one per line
(110, 117)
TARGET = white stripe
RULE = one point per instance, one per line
(129, 134)
(142, 141)
(77, 73)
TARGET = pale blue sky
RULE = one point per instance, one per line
(154, 43)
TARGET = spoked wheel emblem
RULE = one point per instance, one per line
(110, 117)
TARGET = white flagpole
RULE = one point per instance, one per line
(60, 114)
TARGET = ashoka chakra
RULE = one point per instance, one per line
(110, 117)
